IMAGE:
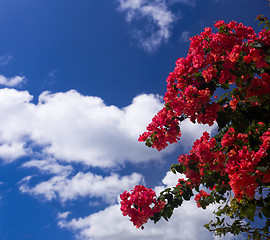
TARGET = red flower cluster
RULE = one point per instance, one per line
(140, 204)
(202, 158)
(230, 137)
(242, 162)
(239, 162)
(240, 165)
(265, 139)
(214, 60)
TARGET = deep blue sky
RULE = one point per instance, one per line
(73, 152)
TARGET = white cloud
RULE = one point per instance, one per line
(75, 128)
(11, 151)
(159, 19)
(11, 82)
(15, 117)
(50, 166)
(5, 59)
(63, 215)
(82, 185)
(184, 37)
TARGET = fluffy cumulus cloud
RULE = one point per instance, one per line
(11, 82)
(185, 224)
(82, 185)
(14, 112)
(75, 128)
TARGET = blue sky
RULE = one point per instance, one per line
(80, 80)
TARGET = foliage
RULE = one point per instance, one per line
(234, 165)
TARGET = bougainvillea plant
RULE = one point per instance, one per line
(234, 165)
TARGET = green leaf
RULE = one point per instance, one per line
(266, 211)
(240, 123)
(148, 142)
(222, 119)
(250, 212)
(169, 197)
(169, 213)
(186, 195)
(226, 85)
(262, 168)
(193, 166)
(175, 190)
(259, 203)
(179, 201)
(179, 168)
(157, 216)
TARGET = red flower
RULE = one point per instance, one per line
(137, 204)
(202, 194)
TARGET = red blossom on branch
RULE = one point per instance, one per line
(237, 158)
(140, 204)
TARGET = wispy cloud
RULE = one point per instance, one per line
(49, 166)
(184, 37)
(5, 59)
(63, 215)
(11, 82)
(185, 2)
(159, 21)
